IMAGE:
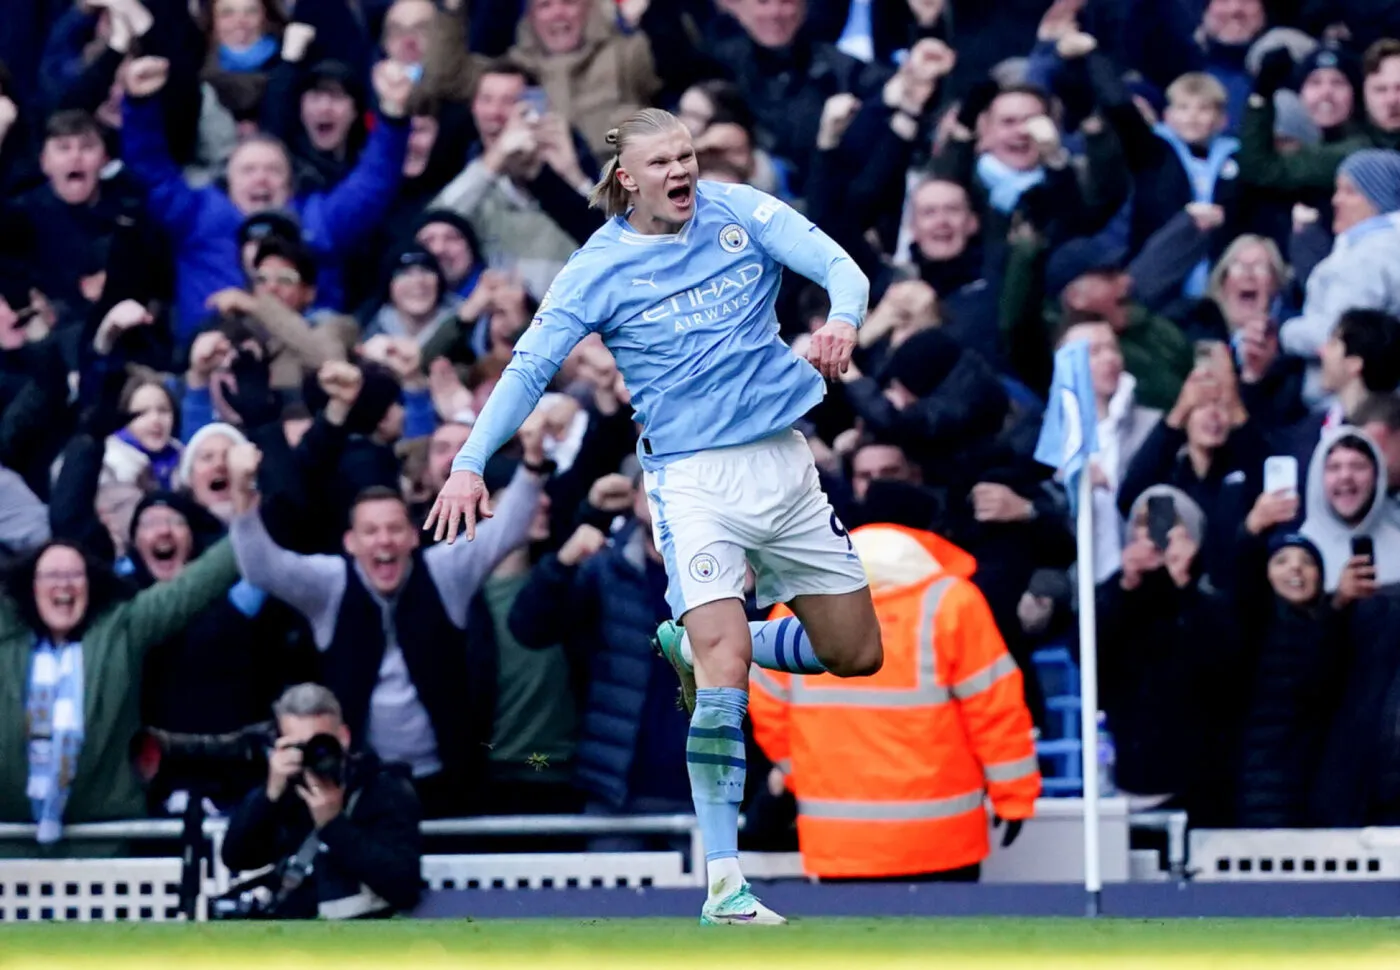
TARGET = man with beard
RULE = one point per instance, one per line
(1346, 492)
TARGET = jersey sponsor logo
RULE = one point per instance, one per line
(733, 238)
(712, 301)
(767, 211)
(704, 568)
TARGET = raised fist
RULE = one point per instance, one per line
(392, 86)
(341, 381)
(295, 41)
(1075, 45)
(208, 353)
(146, 75)
(837, 115)
(243, 462)
(587, 541)
(1207, 215)
(931, 59)
(611, 493)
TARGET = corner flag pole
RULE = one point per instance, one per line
(1068, 441)
(1089, 695)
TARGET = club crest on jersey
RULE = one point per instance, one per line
(733, 238)
(704, 567)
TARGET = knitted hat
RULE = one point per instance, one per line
(1291, 121)
(1335, 58)
(196, 439)
(1286, 540)
(270, 222)
(1376, 174)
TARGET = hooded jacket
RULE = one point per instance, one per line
(1331, 535)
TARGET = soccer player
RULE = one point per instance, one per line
(680, 283)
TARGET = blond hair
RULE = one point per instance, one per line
(1215, 285)
(1198, 84)
(609, 194)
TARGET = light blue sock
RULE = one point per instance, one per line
(783, 645)
(714, 754)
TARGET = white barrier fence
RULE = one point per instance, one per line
(148, 889)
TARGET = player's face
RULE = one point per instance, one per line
(661, 171)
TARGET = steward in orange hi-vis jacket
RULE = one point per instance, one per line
(890, 771)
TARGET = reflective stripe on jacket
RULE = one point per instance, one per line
(890, 771)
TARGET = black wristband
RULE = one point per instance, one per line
(544, 468)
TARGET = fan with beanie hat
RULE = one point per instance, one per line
(1376, 174)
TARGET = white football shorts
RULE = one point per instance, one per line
(759, 504)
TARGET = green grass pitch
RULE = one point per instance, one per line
(864, 944)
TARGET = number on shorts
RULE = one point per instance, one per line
(840, 530)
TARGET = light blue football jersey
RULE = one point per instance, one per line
(689, 318)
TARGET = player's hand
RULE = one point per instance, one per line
(462, 500)
(831, 348)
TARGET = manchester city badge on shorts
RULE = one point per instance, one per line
(733, 238)
(704, 567)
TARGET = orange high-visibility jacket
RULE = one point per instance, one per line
(890, 771)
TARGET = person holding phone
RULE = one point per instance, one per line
(1347, 518)
(1168, 644)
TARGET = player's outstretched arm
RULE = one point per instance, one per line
(464, 498)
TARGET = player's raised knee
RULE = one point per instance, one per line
(860, 659)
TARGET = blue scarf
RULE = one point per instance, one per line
(1203, 174)
(54, 717)
(164, 463)
(246, 60)
(1005, 185)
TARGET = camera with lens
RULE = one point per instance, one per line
(323, 756)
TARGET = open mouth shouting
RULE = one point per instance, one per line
(682, 196)
(385, 569)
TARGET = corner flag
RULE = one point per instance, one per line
(1069, 434)
(1068, 437)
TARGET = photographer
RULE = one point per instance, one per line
(341, 832)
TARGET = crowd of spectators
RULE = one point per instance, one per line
(294, 243)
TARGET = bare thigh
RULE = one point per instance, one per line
(721, 643)
(844, 631)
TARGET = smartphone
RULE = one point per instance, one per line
(1363, 547)
(414, 72)
(1281, 474)
(1161, 519)
(536, 100)
(1205, 351)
